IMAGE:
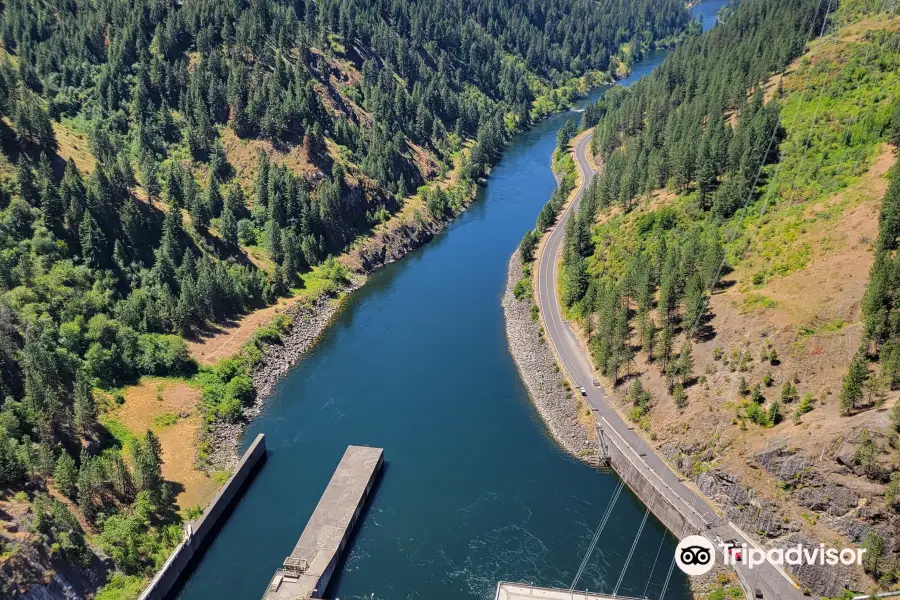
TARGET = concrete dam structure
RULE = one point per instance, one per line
(308, 569)
(197, 535)
(518, 591)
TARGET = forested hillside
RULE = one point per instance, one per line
(718, 266)
(165, 166)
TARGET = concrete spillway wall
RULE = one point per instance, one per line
(198, 532)
(663, 501)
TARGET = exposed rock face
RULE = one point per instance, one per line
(387, 247)
(827, 580)
(840, 506)
(308, 322)
(836, 500)
(785, 464)
(536, 362)
(30, 573)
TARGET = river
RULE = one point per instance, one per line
(474, 490)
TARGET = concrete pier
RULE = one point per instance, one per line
(518, 591)
(307, 571)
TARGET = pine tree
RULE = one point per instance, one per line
(149, 172)
(788, 392)
(213, 196)
(667, 343)
(87, 484)
(147, 457)
(65, 476)
(84, 405)
(228, 229)
(25, 178)
(218, 162)
(648, 335)
(679, 395)
(694, 303)
(774, 416)
(685, 362)
(756, 394)
(90, 237)
(852, 390)
(199, 211)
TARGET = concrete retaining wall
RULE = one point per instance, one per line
(652, 491)
(198, 531)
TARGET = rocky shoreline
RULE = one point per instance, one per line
(538, 368)
(308, 322)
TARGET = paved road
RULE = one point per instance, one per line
(767, 578)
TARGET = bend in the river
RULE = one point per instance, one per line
(474, 489)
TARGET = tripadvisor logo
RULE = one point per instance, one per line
(696, 555)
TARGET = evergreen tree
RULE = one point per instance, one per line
(228, 229)
(774, 414)
(679, 395)
(91, 240)
(84, 405)
(65, 476)
(685, 365)
(667, 342)
(213, 196)
(852, 389)
(694, 303)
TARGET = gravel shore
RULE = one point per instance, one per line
(537, 366)
(309, 322)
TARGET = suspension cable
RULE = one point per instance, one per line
(662, 541)
(593, 544)
(668, 577)
(631, 552)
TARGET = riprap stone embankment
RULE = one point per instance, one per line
(537, 365)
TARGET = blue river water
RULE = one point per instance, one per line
(474, 490)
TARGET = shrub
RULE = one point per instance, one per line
(160, 354)
(121, 587)
(229, 410)
(240, 388)
(334, 271)
(521, 288)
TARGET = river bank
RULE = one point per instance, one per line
(560, 409)
(403, 233)
(310, 320)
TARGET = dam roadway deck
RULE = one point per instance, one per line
(308, 569)
(518, 591)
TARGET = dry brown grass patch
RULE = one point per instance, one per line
(144, 408)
